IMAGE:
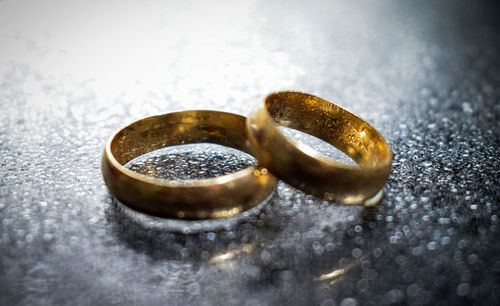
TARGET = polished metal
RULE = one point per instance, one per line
(216, 197)
(309, 170)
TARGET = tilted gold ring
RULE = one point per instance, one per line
(309, 170)
(216, 197)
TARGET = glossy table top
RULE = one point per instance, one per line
(425, 74)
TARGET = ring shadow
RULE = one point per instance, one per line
(185, 240)
(244, 242)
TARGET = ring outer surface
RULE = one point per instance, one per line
(209, 198)
(309, 170)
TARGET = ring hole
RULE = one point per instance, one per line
(191, 161)
(316, 144)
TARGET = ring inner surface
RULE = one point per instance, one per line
(330, 123)
(179, 128)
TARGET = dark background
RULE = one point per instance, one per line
(425, 73)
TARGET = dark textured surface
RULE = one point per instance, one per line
(425, 73)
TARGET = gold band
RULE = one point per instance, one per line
(308, 169)
(216, 197)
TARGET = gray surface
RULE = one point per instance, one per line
(425, 73)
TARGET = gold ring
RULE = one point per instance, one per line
(216, 197)
(307, 169)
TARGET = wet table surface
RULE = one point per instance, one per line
(426, 74)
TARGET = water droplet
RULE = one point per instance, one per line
(463, 289)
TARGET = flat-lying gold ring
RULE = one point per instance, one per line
(216, 197)
(309, 170)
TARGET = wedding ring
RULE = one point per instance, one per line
(309, 170)
(216, 197)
